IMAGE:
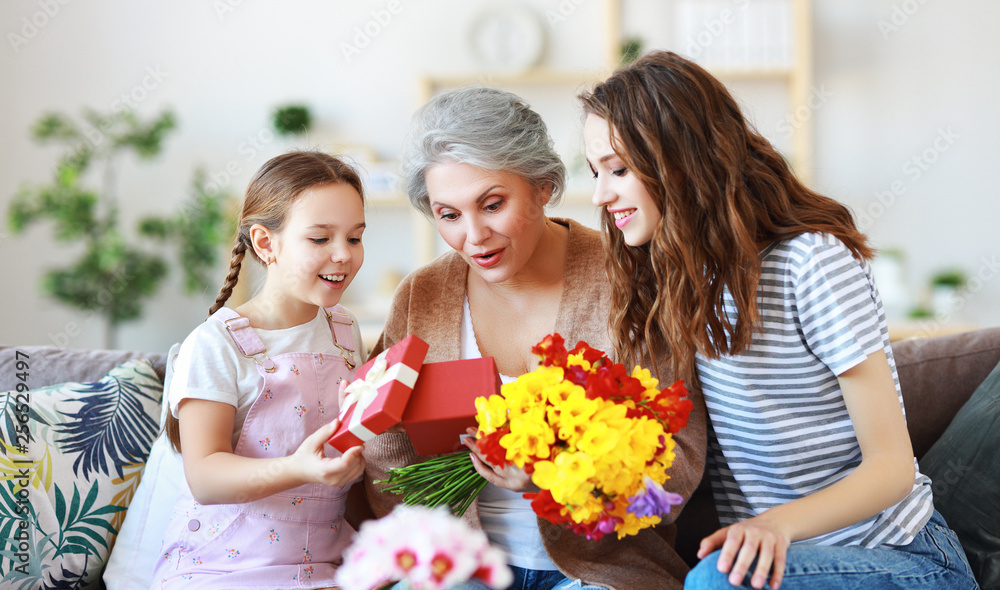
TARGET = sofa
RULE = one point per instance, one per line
(938, 376)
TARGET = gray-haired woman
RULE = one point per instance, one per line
(480, 163)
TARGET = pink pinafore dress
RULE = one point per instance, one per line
(289, 540)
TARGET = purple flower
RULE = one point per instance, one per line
(654, 501)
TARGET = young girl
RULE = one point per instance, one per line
(255, 393)
(760, 291)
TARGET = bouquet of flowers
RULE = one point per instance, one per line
(596, 439)
(426, 548)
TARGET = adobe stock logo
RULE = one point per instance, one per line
(138, 93)
(792, 121)
(914, 169)
(565, 9)
(712, 30)
(901, 14)
(30, 26)
(363, 35)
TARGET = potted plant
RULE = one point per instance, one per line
(945, 286)
(291, 120)
(113, 276)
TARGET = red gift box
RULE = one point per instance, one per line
(380, 391)
(443, 404)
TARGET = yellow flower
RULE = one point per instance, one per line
(589, 510)
(573, 415)
(649, 382)
(618, 481)
(557, 393)
(577, 360)
(546, 476)
(566, 477)
(529, 390)
(491, 413)
(646, 378)
(632, 525)
(644, 439)
(529, 437)
(666, 456)
(613, 415)
(597, 440)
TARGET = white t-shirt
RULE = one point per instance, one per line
(507, 518)
(211, 367)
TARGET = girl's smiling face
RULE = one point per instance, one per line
(494, 219)
(619, 190)
(318, 251)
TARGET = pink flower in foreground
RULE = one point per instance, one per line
(429, 548)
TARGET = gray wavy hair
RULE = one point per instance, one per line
(484, 127)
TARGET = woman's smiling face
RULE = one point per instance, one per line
(494, 219)
(618, 189)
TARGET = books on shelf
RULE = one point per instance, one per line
(737, 35)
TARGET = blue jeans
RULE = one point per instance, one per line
(535, 580)
(933, 561)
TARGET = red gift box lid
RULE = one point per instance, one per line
(388, 409)
(443, 402)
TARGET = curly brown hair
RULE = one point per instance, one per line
(723, 191)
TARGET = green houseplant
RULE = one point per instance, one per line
(114, 275)
(951, 278)
(291, 120)
(946, 286)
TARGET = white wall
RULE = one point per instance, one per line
(890, 94)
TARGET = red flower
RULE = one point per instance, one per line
(602, 384)
(489, 446)
(406, 559)
(591, 355)
(441, 564)
(552, 351)
(596, 530)
(576, 375)
(545, 506)
(639, 412)
(673, 407)
(631, 388)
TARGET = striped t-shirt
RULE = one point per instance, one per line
(779, 428)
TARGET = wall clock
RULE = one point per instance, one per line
(507, 38)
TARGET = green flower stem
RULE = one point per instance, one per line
(448, 479)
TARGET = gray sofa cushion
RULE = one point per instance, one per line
(49, 365)
(938, 375)
(965, 468)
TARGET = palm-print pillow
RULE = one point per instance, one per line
(71, 456)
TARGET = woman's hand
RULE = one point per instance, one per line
(510, 477)
(311, 461)
(755, 538)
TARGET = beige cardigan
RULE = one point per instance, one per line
(428, 303)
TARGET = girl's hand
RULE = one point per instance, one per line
(314, 466)
(509, 477)
(743, 542)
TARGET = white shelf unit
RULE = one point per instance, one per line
(794, 72)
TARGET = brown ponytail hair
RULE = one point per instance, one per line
(270, 195)
(723, 191)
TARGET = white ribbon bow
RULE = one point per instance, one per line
(362, 392)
